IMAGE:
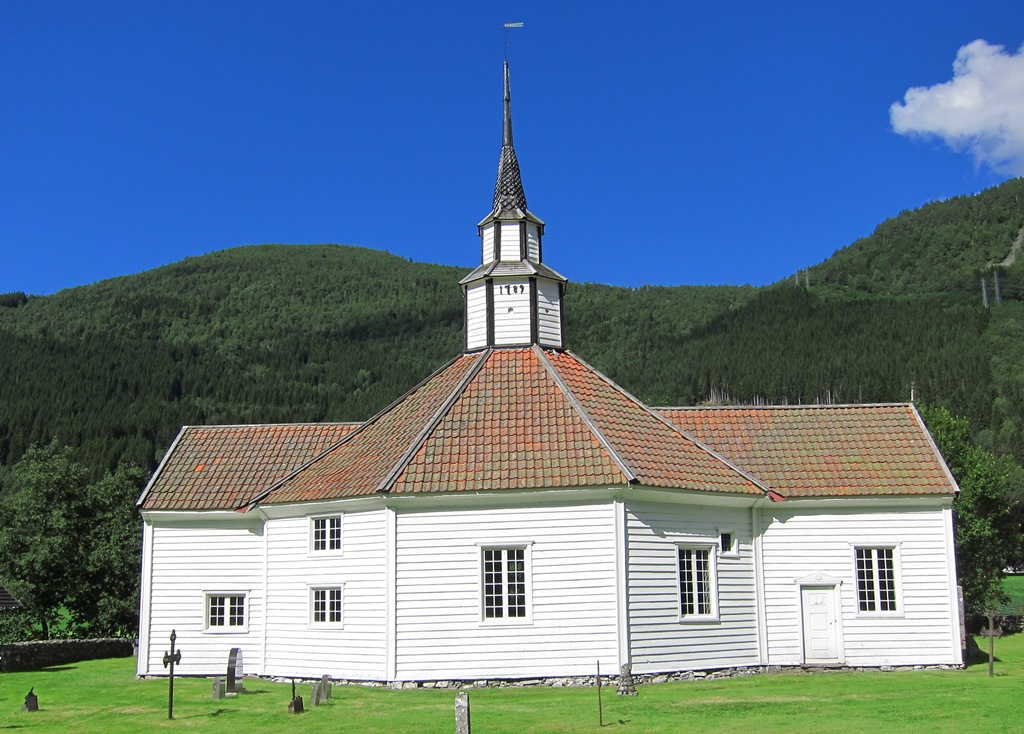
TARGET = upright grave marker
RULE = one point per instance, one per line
(171, 658)
(235, 672)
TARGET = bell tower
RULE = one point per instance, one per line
(512, 299)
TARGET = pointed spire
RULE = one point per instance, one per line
(508, 190)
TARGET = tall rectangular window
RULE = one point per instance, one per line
(225, 611)
(327, 533)
(326, 604)
(876, 580)
(696, 582)
(504, 583)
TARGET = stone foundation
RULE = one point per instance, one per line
(638, 678)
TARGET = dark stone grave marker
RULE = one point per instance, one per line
(295, 705)
(234, 686)
(31, 701)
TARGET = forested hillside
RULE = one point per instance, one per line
(307, 333)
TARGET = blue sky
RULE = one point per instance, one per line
(662, 142)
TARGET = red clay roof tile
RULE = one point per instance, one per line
(819, 451)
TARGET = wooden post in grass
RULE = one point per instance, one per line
(171, 659)
(991, 641)
(600, 712)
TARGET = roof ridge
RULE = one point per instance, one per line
(417, 443)
(707, 449)
(807, 406)
(346, 438)
(300, 424)
(563, 386)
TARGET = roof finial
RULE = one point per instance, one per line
(508, 190)
(506, 133)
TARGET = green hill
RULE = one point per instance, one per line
(304, 333)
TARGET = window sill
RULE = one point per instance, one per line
(710, 619)
(226, 630)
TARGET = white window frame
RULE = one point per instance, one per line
(711, 615)
(876, 580)
(314, 589)
(227, 613)
(733, 550)
(327, 540)
(527, 590)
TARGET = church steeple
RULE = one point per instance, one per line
(512, 299)
(508, 190)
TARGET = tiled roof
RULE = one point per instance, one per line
(512, 419)
(7, 600)
(820, 451)
(218, 467)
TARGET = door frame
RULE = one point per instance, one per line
(826, 582)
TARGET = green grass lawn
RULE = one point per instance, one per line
(104, 696)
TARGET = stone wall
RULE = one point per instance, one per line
(20, 656)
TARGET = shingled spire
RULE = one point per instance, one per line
(512, 299)
(508, 190)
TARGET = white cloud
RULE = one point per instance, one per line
(980, 110)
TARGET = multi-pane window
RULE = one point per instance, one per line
(224, 610)
(696, 582)
(504, 583)
(327, 533)
(876, 580)
(326, 603)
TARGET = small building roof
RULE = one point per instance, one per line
(824, 450)
(218, 467)
(7, 600)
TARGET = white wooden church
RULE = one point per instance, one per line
(519, 515)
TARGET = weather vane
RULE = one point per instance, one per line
(505, 30)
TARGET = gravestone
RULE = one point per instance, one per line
(314, 696)
(462, 722)
(326, 687)
(295, 705)
(235, 673)
(218, 688)
(31, 701)
(626, 685)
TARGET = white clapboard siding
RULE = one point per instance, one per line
(512, 312)
(549, 318)
(476, 315)
(659, 641)
(295, 645)
(510, 251)
(571, 576)
(798, 543)
(190, 561)
(532, 242)
(487, 243)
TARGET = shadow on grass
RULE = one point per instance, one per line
(210, 715)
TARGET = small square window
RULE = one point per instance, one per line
(325, 605)
(728, 543)
(225, 612)
(326, 533)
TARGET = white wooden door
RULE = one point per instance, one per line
(819, 622)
